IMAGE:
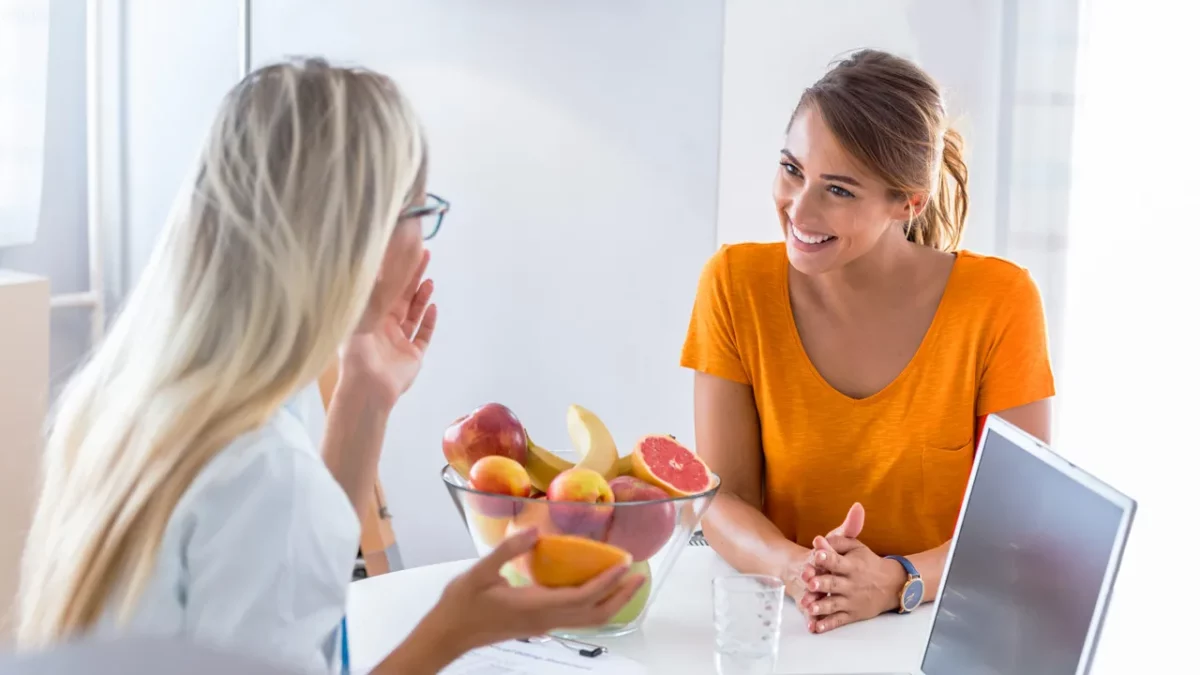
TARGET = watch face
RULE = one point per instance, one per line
(913, 592)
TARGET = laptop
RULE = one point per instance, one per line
(1034, 556)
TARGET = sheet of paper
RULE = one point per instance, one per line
(546, 658)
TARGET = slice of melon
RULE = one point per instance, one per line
(564, 560)
(663, 461)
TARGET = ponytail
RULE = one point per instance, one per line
(945, 216)
(889, 115)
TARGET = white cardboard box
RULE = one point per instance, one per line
(24, 390)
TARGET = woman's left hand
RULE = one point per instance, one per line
(848, 582)
(386, 350)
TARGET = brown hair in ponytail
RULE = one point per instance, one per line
(888, 113)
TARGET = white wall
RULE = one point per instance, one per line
(60, 251)
(577, 144)
(774, 49)
(180, 59)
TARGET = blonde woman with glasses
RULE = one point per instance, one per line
(193, 484)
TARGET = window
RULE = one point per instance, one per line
(24, 49)
(1040, 42)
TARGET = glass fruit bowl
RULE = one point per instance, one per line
(580, 538)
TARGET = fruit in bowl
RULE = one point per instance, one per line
(578, 499)
(491, 531)
(637, 604)
(533, 514)
(490, 429)
(592, 439)
(641, 508)
(640, 528)
(498, 475)
(566, 561)
(664, 462)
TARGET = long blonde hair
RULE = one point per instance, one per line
(266, 265)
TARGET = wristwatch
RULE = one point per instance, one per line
(913, 590)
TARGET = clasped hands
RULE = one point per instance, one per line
(841, 580)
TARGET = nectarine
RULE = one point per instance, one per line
(590, 514)
(499, 476)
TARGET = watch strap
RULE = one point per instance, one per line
(906, 564)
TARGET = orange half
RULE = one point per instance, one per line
(564, 560)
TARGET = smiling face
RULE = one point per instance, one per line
(832, 210)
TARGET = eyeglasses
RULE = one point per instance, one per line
(431, 214)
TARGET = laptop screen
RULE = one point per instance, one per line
(1027, 571)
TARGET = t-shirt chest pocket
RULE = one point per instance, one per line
(943, 425)
(944, 475)
(947, 451)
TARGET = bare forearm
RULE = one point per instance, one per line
(354, 432)
(426, 651)
(747, 539)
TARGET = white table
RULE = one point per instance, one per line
(677, 636)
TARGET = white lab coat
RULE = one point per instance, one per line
(258, 555)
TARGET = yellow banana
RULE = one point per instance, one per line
(543, 465)
(593, 441)
(625, 465)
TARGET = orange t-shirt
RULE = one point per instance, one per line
(905, 452)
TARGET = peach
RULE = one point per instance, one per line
(490, 429)
(535, 515)
(641, 529)
(590, 514)
(490, 531)
(498, 475)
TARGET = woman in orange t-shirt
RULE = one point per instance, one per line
(842, 375)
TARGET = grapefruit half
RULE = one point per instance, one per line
(662, 461)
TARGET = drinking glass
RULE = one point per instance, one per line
(747, 612)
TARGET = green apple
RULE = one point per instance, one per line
(628, 613)
(637, 603)
(513, 576)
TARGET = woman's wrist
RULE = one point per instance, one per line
(445, 636)
(360, 391)
(896, 577)
(749, 541)
(794, 560)
(429, 648)
(355, 426)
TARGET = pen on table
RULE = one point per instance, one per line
(583, 648)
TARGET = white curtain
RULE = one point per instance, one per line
(24, 65)
(1130, 394)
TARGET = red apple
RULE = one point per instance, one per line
(590, 515)
(640, 529)
(499, 476)
(490, 429)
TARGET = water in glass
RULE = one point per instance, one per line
(747, 611)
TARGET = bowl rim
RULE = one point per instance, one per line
(448, 471)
